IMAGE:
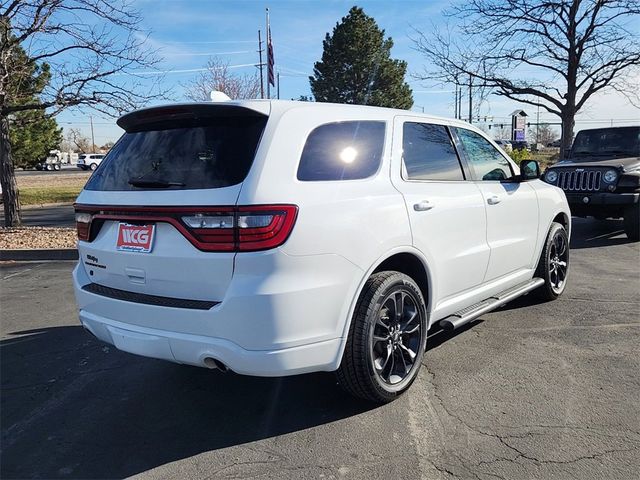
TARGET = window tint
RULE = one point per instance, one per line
(342, 151)
(608, 141)
(486, 161)
(201, 153)
(428, 153)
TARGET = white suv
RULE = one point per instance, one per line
(275, 238)
(89, 161)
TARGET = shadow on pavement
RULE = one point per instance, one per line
(74, 407)
(437, 336)
(589, 233)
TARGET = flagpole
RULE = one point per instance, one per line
(262, 65)
(268, 43)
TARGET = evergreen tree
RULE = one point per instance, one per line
(357, 67)
(32, 135)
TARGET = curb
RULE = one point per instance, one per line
(43, 254)
(35, 206)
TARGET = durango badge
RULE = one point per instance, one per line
(135, 238)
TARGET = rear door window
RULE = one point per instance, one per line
(186, 154)
(428, 153)
(342, 151)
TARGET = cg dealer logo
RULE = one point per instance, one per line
(135, 238)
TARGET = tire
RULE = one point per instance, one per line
(48, 168)
(57, 167)
(377, 336)
(632, 222)
(93, 166)
(553, 266)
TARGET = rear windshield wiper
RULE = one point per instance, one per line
(137, 182)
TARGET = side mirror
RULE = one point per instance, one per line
(529, 170)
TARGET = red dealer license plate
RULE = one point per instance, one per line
(135, 238)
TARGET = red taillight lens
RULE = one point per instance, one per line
(214, 230)
(210, 229)
(263, 227)
(83, 225)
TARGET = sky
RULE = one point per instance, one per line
(187, 33)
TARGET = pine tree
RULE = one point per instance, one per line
(33, 135)
(21, 128)
(357, 67)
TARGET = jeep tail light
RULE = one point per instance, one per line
(83, 225)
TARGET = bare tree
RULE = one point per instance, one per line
(542, 133)
(75, 53)
(552, 54)
(219, 76)
(80, 142)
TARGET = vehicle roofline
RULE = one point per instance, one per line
(273, 106)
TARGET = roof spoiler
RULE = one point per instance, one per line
(191, 111)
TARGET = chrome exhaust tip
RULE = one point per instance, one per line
(215, 364)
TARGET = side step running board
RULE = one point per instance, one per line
(474, 311)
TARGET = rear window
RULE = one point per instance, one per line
(342, 151)
(428, 153)
(186, 154)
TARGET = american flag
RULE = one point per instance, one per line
(270, 60)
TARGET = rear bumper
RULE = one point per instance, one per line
(195, 349)
(271, 322)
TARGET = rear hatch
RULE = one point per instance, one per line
(155, 217)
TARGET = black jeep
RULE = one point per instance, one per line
(601, 176)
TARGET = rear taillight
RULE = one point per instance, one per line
(263, 227)
(83, 225)
(210, 229)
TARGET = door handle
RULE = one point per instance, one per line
(493, 200)
(423, 206)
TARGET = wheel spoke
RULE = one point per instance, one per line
(408, 351)
(404, 326)
(381, 368)
(384, 314)
(378, 338)
(398, 299)
(392, 367)
(404, 362)
(562, 273)
(412, 330)
(562, 245)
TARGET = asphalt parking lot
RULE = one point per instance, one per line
(533, 390)
(62, 215)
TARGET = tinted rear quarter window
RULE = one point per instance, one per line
(342, 151)
(189, 154)
(428, 153)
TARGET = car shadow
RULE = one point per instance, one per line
(590, 233)
(74, 407)
(437, 335)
